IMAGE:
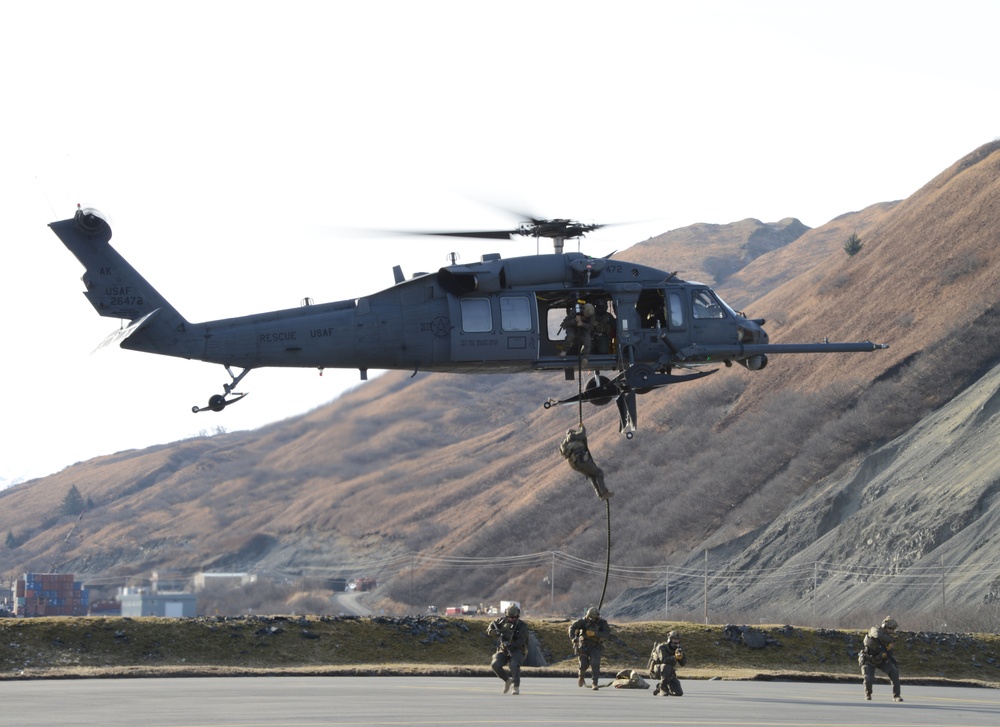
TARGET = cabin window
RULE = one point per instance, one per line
(515, 313)
(476, 315)
(554, 320)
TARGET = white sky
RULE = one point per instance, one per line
(224, 140)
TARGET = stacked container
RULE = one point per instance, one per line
(50, 594)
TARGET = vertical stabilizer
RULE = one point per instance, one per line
(117, 290)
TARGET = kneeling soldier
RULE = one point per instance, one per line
(663, 662)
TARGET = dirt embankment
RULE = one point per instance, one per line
(239, 646)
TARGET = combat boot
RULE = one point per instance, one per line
(580, 680)
(897, 698)
(607, 495)
(508, 683)
(517, 690)
(595, 687)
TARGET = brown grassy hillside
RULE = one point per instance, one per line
(467, 465)
(711, 253)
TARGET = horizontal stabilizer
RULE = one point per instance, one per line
(122, 333)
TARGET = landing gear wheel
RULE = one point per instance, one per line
(217, 402)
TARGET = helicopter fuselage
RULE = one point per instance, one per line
(495, 316)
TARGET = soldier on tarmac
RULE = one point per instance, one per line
(663, 662)
(877, 653)
(512, 649)
(587, 635)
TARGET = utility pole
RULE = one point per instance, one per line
(552, 585)
(815, 585)
(706, 586)
(666, 596)
(943, 604)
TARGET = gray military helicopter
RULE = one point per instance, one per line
(494, 316)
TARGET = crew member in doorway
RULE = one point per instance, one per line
(602, 328)
(578, 324)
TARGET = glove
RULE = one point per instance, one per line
(679, 654)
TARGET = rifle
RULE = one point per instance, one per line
(502, 645)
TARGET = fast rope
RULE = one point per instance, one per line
(607, 566)
(607, 503)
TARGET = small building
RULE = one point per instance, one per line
(138, 602)
(337, 584)
(230, 580)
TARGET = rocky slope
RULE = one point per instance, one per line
(745, 465)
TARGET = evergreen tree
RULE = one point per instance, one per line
(73, 502)
(853, 245)
(11, 540)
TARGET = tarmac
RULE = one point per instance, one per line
(477, 701)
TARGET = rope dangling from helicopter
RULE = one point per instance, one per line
(574, 448)
(607, 565)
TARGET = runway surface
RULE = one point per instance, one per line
(373, 701)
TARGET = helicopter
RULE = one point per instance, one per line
(494, 316)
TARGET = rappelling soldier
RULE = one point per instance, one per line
(663, 662)
(587, 635)
(574, 449)
(877, 653)
(512, 648)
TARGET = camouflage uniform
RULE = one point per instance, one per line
(513, 647)
(877, 652)
(587, 635)
(578, 327)
(663, 662)
(602, 329)
(574, 449)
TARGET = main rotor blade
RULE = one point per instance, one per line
(482, 234)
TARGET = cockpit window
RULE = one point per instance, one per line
(705, 305)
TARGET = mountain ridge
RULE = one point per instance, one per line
(467, 465)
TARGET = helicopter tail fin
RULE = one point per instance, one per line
(117, 290)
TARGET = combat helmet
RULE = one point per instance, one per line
(592, 614)
(513, 611)
(673, 635)
(889, 623)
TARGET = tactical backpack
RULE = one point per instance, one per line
(661, 655)
(629, 679)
